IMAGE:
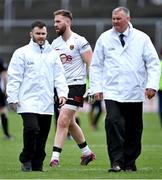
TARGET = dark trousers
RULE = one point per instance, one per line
(4, 120)
(123, 125)
(97, 106)
(35, 133)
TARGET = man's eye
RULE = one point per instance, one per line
(40, 33)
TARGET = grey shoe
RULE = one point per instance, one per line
(26, 166)
(115, 168)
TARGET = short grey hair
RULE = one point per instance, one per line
(121, 8)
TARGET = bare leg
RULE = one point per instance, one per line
(76, 131)
(63, 123)
(66, 122)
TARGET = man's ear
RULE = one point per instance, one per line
(129, 18)
(31, 35)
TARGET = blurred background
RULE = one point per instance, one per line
(91, 18)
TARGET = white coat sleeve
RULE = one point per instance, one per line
(152, 63)
(96, 68)
(15, 76)
(60, 80)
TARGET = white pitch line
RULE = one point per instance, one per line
(104, 145)
(81, 169)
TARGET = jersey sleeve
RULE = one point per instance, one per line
(83, 45)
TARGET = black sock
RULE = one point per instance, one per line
(82, 145)
(57, 149)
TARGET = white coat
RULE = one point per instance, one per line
(123, 73)
(32, 75)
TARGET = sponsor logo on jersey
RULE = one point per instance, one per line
(65, 58)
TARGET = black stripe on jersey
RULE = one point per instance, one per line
(85, 46)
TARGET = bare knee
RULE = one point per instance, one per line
(63, 121)
(73, 125)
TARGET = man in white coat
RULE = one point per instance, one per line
(34, 71)
(129, 67)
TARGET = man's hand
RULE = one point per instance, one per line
(62, 101)
(98, 96)
(13, 106)
(150, 93)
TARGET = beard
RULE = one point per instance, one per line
(61, 31)
(39, 41)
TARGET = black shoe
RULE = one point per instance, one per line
(131, 168)
(26, 166)
(115, 168)
(37, 168)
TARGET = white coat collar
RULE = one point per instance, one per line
(46, 46)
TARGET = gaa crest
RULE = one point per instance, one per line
(71, 47)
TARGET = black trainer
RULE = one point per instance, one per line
(131, 168)
(38, 169)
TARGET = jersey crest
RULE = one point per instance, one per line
(71, 47)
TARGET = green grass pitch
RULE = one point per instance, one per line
(149, 163)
